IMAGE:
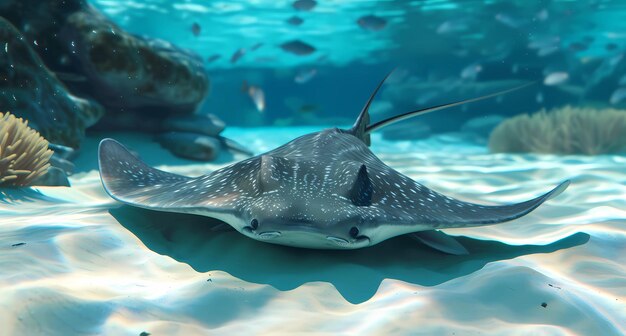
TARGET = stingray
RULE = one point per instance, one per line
(323, 190)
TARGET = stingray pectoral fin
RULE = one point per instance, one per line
(503, 213)
(440, 241)
(131, 181)
(125, 176)
(462, 214)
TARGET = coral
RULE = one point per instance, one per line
(24, 153)
(567, 130)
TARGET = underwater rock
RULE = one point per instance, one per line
(29, 90)
(62, 152)
(61, 163)
(40, 22)
(191, 145)
(482, 126)
(55, 177)
(131, 73)
(234, 146)
(565, 131)
(124, 71)
(207, 124)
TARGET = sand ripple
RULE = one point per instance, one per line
(69, 266)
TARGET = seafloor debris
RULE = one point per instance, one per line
(24, 153)
(566, 130)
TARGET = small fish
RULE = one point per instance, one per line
(213, 58)
(574, 90)
(618, 96)
(256, 46)
(196, 29)
(539, 97)
(237, 55)
(544, 42)
(547, 51)
(542, 15)
(622, 80)
(578, 46)
(304, 5)
(452, 26)
(305, 75)
(606, 69)
(298, 47)
(471, 71)
(611, 46)
(308, 108)
(256, 94)
(510, 21)
(556, 78)
(322, 58)
(295, 21)
(371, 22)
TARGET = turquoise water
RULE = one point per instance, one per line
(440, 48)
(331, 26)
(76, 261)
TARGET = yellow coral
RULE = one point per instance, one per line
(566, 130)
(24, 154)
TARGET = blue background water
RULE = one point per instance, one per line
(431, 42)
(73, 262)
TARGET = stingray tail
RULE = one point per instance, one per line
(362, 129)
(411, 114)
(359, 129)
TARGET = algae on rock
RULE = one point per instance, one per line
(567, 130)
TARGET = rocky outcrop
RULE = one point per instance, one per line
(197, 137)
(128, 73)
(31, 91)
(143, 84)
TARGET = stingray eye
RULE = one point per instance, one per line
(254, 224)
(354, 232)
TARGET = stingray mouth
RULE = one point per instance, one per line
(341, 242)
(306, 237)
(269, 235)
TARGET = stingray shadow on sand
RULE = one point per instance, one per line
(356, 274)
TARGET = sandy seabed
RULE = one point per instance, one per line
(75, 262)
